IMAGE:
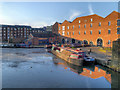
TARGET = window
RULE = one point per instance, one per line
(91, 19)
(79, 32)
(99, 23)
(67, 33)
(8, 28)
(73, 26)
(91, 32)
(79, 26)
(59, 28)
(85, 26)
(91, 25)
(73, 32)
(14, 28)
(79, 21)
(68, 27)
(109, 31)
(109, 41)
(63, 27)
(118, 30)
(109, 23)
(118, 22)
(84, 32)
(99, 31)
(63, 33)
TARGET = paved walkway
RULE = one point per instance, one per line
(97, 54)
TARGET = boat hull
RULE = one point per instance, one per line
(77, 62)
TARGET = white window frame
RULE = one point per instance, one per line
(79, 21)
(63, 33)
(91, 19)
(63, 27)
(67, 27)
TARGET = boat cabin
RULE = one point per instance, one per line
(76, 56)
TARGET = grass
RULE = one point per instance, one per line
(105, 49)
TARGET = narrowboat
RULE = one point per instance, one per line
(68, 56)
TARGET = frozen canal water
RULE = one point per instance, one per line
(36, 68)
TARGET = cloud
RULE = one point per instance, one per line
(90, 9)
(35, 24)
(74, 14)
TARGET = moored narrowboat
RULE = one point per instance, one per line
(68, 56)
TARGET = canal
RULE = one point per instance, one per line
(37, 68)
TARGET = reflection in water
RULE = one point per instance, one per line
(93, 71)
(20, 67)
(97, 73)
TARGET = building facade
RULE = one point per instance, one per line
(92, 29)
(43, 38)
(17, 33)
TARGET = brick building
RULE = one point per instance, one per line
(17, 33)
(91, 29)
(43, 38)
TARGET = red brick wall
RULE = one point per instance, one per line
(95, 28)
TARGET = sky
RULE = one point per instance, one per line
(39, 14)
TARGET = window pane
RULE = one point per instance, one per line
(118, 30)
(109, 31)
(109, 23)
(99, 31)
(118, 22)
